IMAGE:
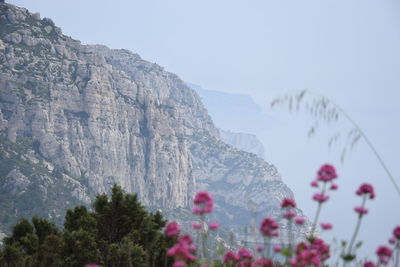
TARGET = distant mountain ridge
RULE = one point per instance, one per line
(235, 115)
(243, 141)
(75, 119)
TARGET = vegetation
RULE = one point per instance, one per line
(118, 232)
(312, 251)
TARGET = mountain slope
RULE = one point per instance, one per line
(76, 118)
(243, 141)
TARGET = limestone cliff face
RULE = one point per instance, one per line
(243, 141)
(74, 119)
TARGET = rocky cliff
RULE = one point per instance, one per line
(75, 119)
(243, 141)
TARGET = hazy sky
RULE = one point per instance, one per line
(348, 50)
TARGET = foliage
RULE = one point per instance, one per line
(312, 251)
(119, 232)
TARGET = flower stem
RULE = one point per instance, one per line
(267, 247)
(318, 212)
(316, 219)
(203, 237)
(353, 239)
(290, 239)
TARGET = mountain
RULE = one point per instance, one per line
(233, 112)
(243, 141)
(237, 116)
(75, 119)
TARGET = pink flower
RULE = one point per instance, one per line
(182, 249)
(361, 210)
(305, 257)
(289, 214)
(396, 232)
(320, 197)
(369, 264)
(299, 220)
(196, 225)
(214, 225)
(268, 227)
(314, 184)
(326, 173)
(179, 264)
(392, 241)
(366, 189)
(204, 203)
(326, 226)
(384, 254)
(277, 248)
(230, 257)
(185, 239)
(288, 202)
(310, 255)
(321, 247)
(334, 187)
(262, 263)
(259, 248)
(244, 254)
(172, 229)
(274, 234)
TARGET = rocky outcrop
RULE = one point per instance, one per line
(76, 119)
(243, 141)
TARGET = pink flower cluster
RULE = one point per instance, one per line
(269, 227)
(182, 251)
(396, 232)
(366, 189)
(263, 263)
(213, 225)
(326, 173)
(172, 229)
(369, 264)
(299, 220)
(313, 254)
(288, 203)
(196, 225)
(361, 210)
(244, 258)
(203, 203)
(320, 197)
(230, 257)
(384, 254)
(326, 226)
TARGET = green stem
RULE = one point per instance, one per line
(203, 237)
(290, 239)
(353, 239)
(267, 247)
(318, 212)
(397, 254)
(316, 219)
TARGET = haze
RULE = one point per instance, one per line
(345, 50)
